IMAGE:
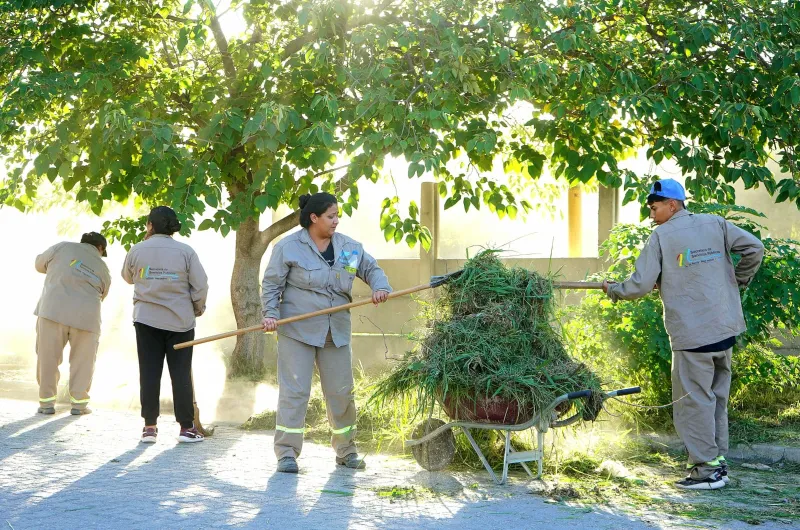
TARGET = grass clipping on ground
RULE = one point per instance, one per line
(490, 336)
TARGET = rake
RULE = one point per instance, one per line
(435, 281)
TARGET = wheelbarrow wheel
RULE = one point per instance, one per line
(437, 453)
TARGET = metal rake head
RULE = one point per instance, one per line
(436, 281)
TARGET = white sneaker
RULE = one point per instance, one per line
(712, 482)
(149, 435)
(190, 436)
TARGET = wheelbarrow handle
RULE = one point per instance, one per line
(623, 392)
(579, 394)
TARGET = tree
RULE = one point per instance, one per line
(113, 99)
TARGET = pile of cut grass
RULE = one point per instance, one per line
(490, 335)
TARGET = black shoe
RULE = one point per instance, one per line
(351, 461)
(723, 464)
(80, 412)
(288, 464)
(46, 410)
(713, 482)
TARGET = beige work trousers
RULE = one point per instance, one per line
(295, 369)
(51, 337)
(701, 418)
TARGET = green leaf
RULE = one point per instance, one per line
(398, 236)
(206, 224)
(183, 40)
(261, 202)
(64, 170)
(148, 143)
(425, 239)
(411, 240)
(388, 233)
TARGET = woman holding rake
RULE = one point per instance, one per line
(309, 270)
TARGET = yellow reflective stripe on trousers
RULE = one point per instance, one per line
(714, 462)
(344, 430)
(44, 400)
(289, 430)
(78, 401)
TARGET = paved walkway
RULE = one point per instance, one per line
(91, 472)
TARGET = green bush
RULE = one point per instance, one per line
(626, 343)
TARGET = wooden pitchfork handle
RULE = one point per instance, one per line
(439, 280)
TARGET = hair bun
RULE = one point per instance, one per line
(303, 200)
(174, 226)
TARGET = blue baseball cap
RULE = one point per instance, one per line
(669, 189)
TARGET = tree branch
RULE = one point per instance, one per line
(331, 170)
(266, 236)
(166, 54)
(227, 60)
(275, 229)
(254, 39)
(182, 19)
(297, 43)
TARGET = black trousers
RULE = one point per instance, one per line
(153, 346)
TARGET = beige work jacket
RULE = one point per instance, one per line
(689, 258)
(170, 286)
(298, 280)
(77, 282)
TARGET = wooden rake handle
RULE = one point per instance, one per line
(351, 305)
(297, 318)
(578, 285)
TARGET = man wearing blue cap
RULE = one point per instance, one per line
(688, 258)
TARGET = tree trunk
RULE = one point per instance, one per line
(249, 355)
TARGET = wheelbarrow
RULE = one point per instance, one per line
(434, 444)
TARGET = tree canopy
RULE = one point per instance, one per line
(151, 99)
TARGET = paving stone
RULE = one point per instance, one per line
(91, 471)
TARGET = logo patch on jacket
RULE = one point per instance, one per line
(84, 270)
(153, 273)
(349, 261)
(694, 257)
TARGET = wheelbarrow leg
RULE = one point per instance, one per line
(523, 464)
(480, 455)
(505, 457)
(510, 449)
(540, 447)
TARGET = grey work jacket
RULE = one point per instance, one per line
(170, 286)
(298, 280)
(689, 258)
(77, 282)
